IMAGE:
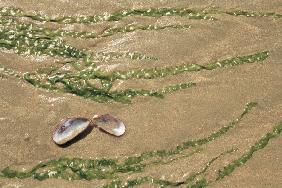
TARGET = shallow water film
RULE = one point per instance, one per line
(197, 85)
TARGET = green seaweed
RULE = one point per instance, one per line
(9, 72)
(108, 56)
(134, 27)
(77, 82)
(145, 12)
(29, 43)
(25, 42)
(253, 14)
(116, 16)
(81, 87)
(174, 70)
(29, 39)
(191, 181)
(152, 73)
(192, 143)
(12, 24)
(260, 144)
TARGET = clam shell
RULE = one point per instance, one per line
(69, 128)
(110, 124)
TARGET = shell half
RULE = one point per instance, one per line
(69, 128)
(110, 124)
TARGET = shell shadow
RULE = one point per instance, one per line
(79, 137)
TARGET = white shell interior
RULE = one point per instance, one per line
(120, 130)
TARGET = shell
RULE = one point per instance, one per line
(110, 124)
(69, 128)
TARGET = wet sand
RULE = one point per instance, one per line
(28, 115)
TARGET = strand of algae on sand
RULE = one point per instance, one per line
(77, 83)
(253, 13)
(27, 41)
(84, 89)
(240, 12)
(192, 181)
(152, 73)
(192, 143)
(147, 12)
(94, 93)
(174, 70)
(13, 24)
(260, 144)
(35, 40)
(30, 39)
(65, 50)
(110, 168)
(16, 25)
(116, 16)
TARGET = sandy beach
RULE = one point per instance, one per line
(29, 114)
